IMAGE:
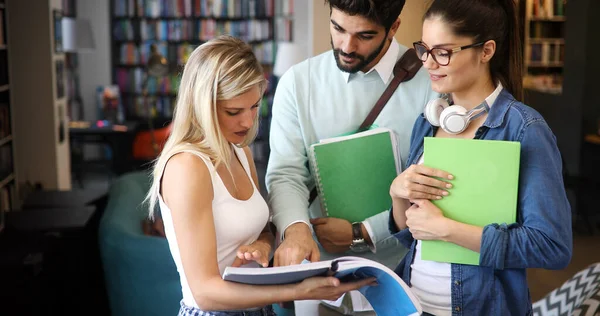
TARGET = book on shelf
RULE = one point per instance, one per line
(391, 296)
(196, 8)
(353, 173)
(485, 188)
(546, 8)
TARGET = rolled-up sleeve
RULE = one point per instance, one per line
(542, 237)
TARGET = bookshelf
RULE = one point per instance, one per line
(8, 194)
(176, 27)
(544, 43)
(38, 96)
(74, 100)
(284, 20)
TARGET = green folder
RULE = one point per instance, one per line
(485, 188)
(353, 173)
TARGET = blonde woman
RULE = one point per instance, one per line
(206, 185)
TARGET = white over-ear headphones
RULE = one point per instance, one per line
(453, 119)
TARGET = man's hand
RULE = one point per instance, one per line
(297, 246)
(334, 234)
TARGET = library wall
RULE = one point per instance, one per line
(411, 19)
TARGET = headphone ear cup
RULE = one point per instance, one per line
(434, 109)
(453, 119)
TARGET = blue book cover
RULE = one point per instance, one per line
(391, 296)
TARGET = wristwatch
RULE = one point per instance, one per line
(358, 241)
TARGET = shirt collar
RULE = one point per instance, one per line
(492, 98)
(497, 113)
(385, 66)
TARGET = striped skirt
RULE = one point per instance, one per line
(192, 311)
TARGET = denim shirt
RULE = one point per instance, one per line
(541, 237)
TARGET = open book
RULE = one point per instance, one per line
(390, 297)
(353, 173)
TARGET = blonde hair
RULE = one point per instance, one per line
(220, 69)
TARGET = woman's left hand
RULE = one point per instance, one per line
(257, 251)
(426, 221)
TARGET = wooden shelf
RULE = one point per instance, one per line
(539, 64)
(122, 20)
(188, 41)
(592, 139)
(541, 40)
(6, 180)
(6, 140)
(549, 90)
(548, 19)
(192, 18)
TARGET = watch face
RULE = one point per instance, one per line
(359, 246)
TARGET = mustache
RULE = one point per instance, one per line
(351, 55)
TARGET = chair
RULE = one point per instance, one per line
(144, 150)
(580, 295)
(140, 274)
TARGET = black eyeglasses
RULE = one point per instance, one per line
(440, 55)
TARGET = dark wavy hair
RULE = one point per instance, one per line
(485, 20)
(382, 12)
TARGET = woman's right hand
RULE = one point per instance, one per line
(421, 182)
(328, 288)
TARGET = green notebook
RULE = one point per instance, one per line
(353, 173)
(485, 188)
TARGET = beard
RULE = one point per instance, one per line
(363, 61)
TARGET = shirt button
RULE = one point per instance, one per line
(457, 309)
(457, 283)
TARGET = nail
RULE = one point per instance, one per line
(450, 177)
(439, 197)
(445, 192)
(448, 185)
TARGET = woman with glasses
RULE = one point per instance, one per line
(471, 49)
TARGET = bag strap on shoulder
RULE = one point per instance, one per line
(405, 69)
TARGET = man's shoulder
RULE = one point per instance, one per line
(313, 71)
(421, 79)
(316, 62)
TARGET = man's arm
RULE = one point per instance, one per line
(379, 235)
(288, 176)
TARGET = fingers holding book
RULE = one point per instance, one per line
(329, 288)
(421, 182)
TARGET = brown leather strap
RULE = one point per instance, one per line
(405, 69)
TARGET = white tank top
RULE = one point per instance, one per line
(430, 281)
(237, 222)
